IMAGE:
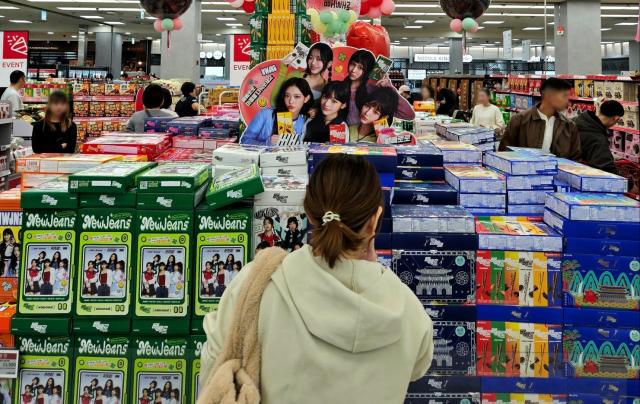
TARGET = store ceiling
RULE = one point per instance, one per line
(525, 18)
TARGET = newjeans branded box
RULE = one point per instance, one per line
(107, 200)
(526, 197)
(515, 163)
(482, 200)
(458, 152)
(425, 194)
(444, 276)
(419, 173)
(234, 186)
(279, 156)
(594, 207)
(434, 241)
(194, 347)
(436, 218)
(575, 245)
(473, 179)
(280, 190)
(454, 348)
(588, 179)
(112, 177)
(384, 158)
(419, 156)
(529, 182)
(50, 195)
(173, 178)
(516, 235)
(237, 155)
(590, 229)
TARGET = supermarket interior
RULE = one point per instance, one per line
(320, 201)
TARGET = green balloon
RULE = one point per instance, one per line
(468, 23)
(336, 26)
(167, 24)
(326, 17)
(344, 15)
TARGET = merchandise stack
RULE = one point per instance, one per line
(434, 255)
(483, 138)
(424, 125)
(582, 178)
(143, 146)
(601, 289)
(480, 189)
(528, 177)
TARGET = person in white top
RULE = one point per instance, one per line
(486, 114)
(12, 93)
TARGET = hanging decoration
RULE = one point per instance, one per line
(377, 8)
(369, 36)
(637, 38)
(464, 13)
(167, 12)
(332, 20)
(249, 6)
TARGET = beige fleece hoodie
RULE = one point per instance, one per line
(352, 334)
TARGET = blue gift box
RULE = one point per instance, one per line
(594, 206)
(419, 156)
(420, 173)
(588, 179)
(576, 245)
(532, 385)
(592, 229)
(533, 197)
(517, 163)
(529, 182)
(443, 398)
(475, 179)
(435, 218)
(607, 318)
(434, 241)
(520, 314)
(454, 351)
(526, 210)
(441, 312)
(425, 194)
(446, 384)
(384, 158)
(493, 201)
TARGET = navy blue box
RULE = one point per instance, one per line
(387, 192)
(383, 241)
(447, 398)
(520, 314)
(433, 219)
(616, 387)
(423, 156)
(573, 245)
(441, 312)
(454, 351)
(420, 173)
(588, 229)
(425, 194)
(387, 180)
(581, 317)
(444, 276)
(448, 384)
(386, 225)
(598, 399)
(384, 158)
(434, 241)
(534, 385)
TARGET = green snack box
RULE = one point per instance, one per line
(107, 200)
(194, 351)
(101, 361)
(113, 177)
(40, 326)
(46, 275)
(258, 28)
(50, 195)
(105, 256)
(44, 358)
(152, 201)
(234, 186)
(157, 362)
(108, 326)
(222, 249)
(160, 327)
(173, 178)
(163, 263)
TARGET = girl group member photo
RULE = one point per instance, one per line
(153, 394)
(100, 392)
(104, 278)
(275, 233)
(10, 250)
(40, 391)
(338, 104)
(48, 272)
(217, 274)
(162, 277)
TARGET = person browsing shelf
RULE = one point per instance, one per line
(56, 133)
(593, 128)
(153, 99)
(543, 126)
(188, 105)
(486, 114)
(17, 81)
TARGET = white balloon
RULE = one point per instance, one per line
(236, 3)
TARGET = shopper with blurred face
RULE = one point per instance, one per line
(154, 100)
(594, 134)
(331, 317)
(486, 114)
(17, 80)
(427, 93)
(543, 126)
(56, 133)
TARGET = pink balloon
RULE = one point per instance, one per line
(177, 24)
(374, 12)
(157, 25)
(236, 3)
(456, 25)
(387, 7)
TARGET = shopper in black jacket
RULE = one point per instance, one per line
(56, 133)
(593, 128)
(188, 103)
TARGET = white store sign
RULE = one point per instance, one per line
(437, 57)
(14, 50)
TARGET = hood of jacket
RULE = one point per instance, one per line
(589, 122)
(351, 306)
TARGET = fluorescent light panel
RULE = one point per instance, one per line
(8, 8)
(20, 21)
(532, 28)
(135, 10)
(226, 18)
(627, 23)
(90, 17)
(410, 26)
(77, 8)
(424, 21)
(114, 22)
(493, 22)
(605, 29)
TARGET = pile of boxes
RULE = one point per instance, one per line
(483, 138)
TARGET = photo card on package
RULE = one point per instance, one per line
(11, 249)
(283, 226)
(443, 276)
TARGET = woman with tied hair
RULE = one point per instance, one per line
(329, 314)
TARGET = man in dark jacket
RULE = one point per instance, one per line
(543, 126)
(594, 134)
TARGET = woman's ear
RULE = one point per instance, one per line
(372, 224)
(307, 98)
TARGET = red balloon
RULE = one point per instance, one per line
(374, 3)
(249, 6)
(315, 37)
(364, 8)
(368, 36)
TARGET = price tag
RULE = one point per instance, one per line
(9, 363)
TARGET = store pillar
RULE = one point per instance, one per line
(634, 55)
(577, 37)
(109, 51)
(82, 44)
(455, 56)
(181, 49)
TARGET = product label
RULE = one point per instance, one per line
(104, 263)
(101, 370)
(44, 370)
(160, 370)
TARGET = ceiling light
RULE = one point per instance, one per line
(627, 23)
(137, 10)
(150, 18)
(114, 22)
(424, 21)
(20, 21)
(409, 13)
(127, 33)
(551, 23)
(619, 7)
(497, 42)
(226, 18)
(94, 17)
(481, 27)
(234, 24)
(618, 16)
(90, 32)
(416, 5)
(404, 38)
(532, 28)
(605, 29)
(77, 8)
(8, 8)
(493, 22)
(50, 33)
(149, 38)
(413, 26)
(74, 36)
(232, 11)
(218, 34)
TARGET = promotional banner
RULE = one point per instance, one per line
(507, 45)
(13, 54)
(238, 58)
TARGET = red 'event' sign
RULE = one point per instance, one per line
(15, 45)
(241, 47)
